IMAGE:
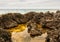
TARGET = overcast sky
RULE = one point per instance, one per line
(29, 4)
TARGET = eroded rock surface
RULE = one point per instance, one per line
(37, 24)
(5, 36)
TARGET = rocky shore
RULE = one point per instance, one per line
(37, 25)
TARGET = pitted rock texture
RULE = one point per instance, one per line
(37, 24)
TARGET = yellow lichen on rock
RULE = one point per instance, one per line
(19, 28)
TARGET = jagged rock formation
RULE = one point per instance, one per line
(37, 24)
(5, 36)
(49, 22)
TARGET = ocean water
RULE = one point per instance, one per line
(23, 11)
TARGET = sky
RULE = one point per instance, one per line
(29, 4)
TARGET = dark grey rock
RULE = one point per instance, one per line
(29, 16)
(5, 36)
(8, 22)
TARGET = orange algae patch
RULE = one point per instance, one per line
(22, 27)
(19, 28)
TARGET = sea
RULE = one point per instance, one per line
(23, 11)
